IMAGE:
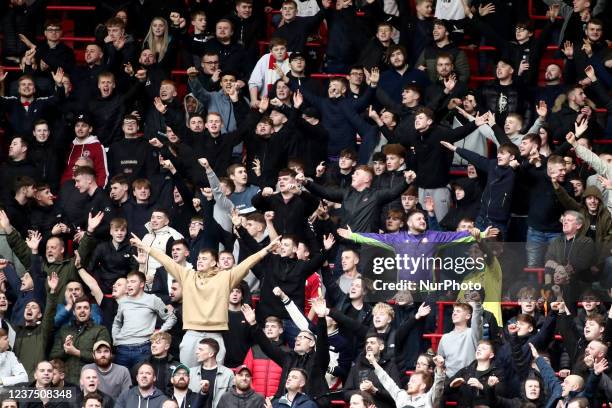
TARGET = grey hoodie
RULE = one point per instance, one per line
(133, 399)
(249, 399)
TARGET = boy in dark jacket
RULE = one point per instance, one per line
(432, 161)
(339, 113)
(471, 383)
(113, 259)
(497, 195)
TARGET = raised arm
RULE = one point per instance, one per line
(238, 272)
(593, 160)
(274, 351)
(476, 323)
(481, 162)
(389, 194)
(551, 382)
(177, 271)
(198, 90)
(564, 198)
(387, 382)
(12, 279)
(295, 313)
(322, 343)
(15, 241)
(329, 193)
(51, 306)
(220, 198)
(92, 284)
(454, 135)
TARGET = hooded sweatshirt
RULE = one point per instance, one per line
(467, 207)
(199, 109)
(248, 399)
(597, 227)
(161, 239)
(132, 398)
(89, 147)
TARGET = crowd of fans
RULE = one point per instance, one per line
(189, 218)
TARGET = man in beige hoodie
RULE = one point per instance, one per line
(205, 294)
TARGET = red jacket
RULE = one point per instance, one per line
(311, 291)
(266, 373)
(93, 149)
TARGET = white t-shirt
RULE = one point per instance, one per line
(449, 10)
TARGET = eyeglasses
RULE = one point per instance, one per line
(53, 30)
(210, 62)
(195, 224)
(302, 337)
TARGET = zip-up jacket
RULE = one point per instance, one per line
(497, 195)
(92, 148)
(22, 119)
(433, 161)
(84, 336)
(361, 208)
(266, 373)
(109, 263)
(223, 383)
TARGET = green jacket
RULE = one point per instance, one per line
(31, 341)
(603, 220)
(83, 337)
(66, 271)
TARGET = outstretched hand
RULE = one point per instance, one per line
(249, 314)
(345, 232)
(93, 221)
(137, 242)
(448, 145)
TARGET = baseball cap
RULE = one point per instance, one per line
(82, 117)
(311, 112)
(296, 55)
(99, 343)
(180, 367)
(243, 367)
